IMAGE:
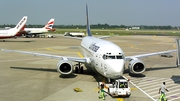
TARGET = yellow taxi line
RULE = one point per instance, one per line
(80, 55)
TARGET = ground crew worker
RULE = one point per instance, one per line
(162, 89)
(102, 95)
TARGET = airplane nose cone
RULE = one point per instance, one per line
(116, 67)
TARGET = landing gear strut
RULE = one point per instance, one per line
(110, 80)
(79, 68)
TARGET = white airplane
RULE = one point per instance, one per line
(36, 31)
(13, 32)
(105, 57)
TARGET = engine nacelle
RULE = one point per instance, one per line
(65, 67)
(136, 66)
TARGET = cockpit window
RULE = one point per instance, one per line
(112, 57)
(119, 56)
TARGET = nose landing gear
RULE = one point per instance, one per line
(79, 68)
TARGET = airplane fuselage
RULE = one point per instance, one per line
(7, 33)
(105, 57)
(13, 32)
(36, 30)
(45, 29)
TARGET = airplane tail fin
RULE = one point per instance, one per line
(50, 24)
(87, 22)
(21, 25)
(16, 31)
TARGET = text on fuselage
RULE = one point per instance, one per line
(94, 47)
(21, 23)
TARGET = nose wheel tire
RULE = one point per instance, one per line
(76, 69)
(81, 70)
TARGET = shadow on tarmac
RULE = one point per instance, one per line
(91, 72)
(176, 79)
(160, 68)
(73, 75)
(67, 76)
(37, 69)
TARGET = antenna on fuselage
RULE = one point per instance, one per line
(87, 22)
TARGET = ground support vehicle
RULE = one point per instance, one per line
(119, 87)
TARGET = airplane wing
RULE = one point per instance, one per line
(75, 59)
(147, 55)
(103, 37)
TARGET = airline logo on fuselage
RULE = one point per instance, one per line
(21, 23)
(94, 47)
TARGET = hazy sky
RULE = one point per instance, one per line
(113, 12)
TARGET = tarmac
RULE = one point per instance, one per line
(29, 78)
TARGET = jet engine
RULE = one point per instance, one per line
(65, 67)
(136, 66)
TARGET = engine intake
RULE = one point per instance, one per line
(136, 66)
(65, 67)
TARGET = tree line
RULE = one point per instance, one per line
(99, 26)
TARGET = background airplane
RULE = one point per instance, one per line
(105, 57)
(13, 32)
(34, 32)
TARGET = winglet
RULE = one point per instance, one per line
(87, 23)
(50, 24)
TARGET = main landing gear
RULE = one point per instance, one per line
(79, 68)
(111, 80)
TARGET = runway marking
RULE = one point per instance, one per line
(120, 99)
(96, 89)
(136, 45)
(168, 92)
(174, 96)
(141, 90)
(54, 50)
(147, 87)
(80, 55)
(142, 84)
(151, 85)
(51, 49)
(133, 88)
